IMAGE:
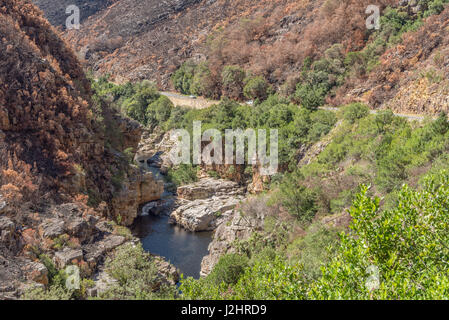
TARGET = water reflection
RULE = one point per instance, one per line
(182, 248)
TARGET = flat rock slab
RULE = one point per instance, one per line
(209, 187)
(66, 256)
(203, 215)
(52, 228)
(96, 251)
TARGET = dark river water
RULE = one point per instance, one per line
(182, 248)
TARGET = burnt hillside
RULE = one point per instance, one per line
(55, 10)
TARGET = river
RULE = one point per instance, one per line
(182, 248)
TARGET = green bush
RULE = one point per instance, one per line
(159, 111)
(136, 106)
(184, 174)
(203, 84)
(136, 274)
(52, 293)
(233, 80)
(314, 250)
(383, 119)
(355, 111)
(256, 88)
(310, 96)
(394, 254)
(300, 201)
(434, 7)
(229, 269)
(183, 77)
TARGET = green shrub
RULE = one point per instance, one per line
(310, 96)
(256, 88)
(229, 269)
(314, 250)
(136, 106)
(136, 274)
(233, 78)
(159, 111)
(355, 111)
(184, 174)
(203, 84)
(402, 248)
(52, 293)
(300, 201)
(383, 119)
(183, 77)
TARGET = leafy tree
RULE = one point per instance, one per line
(159, 111)
(355, 111)
(203, 83)
(136, 106)
(256, 88)
(183, 77)
(233, 78)
(310, 96)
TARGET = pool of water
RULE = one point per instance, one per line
(182, 248)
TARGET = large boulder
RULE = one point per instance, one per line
(8, 235)
(96, 252)
(204, 215)
(52, 228)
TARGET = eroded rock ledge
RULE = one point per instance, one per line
(206, 204)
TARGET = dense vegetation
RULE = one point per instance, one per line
(297, 126)
(133, 271)
(387, 254)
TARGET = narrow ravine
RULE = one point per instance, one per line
(182, 248)
(180, 225)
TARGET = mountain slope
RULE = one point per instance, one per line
(276, 40)
(55, 11)
(264, 36)
(62, 165)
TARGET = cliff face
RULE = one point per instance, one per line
(62, 165)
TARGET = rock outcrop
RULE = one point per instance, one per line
(154, 149)
(209, 187)
(204, 214)
(206, 203)
(140, 189)
(234, 227)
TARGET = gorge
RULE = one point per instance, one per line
(179, 226)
